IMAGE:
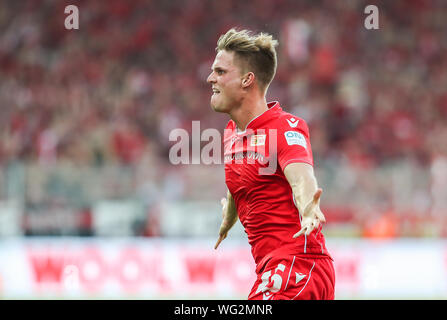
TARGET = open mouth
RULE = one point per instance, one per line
(215, 91)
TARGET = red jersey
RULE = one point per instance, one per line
(254, 164)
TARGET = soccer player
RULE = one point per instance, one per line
(269, 173)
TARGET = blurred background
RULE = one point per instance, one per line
(91, 207)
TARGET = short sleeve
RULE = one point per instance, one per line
(293, 142)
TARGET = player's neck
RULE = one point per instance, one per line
(248, 110)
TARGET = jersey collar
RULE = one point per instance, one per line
(273, 107)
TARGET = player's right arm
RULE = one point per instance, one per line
(296, 161)
(306, 194)
(229, 217)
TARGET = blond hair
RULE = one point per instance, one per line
(255, 53)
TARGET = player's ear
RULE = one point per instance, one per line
(248, 79)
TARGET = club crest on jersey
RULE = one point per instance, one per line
(292, 122)
(293, 137)
(257, 140)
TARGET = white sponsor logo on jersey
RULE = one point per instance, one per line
(294, 137)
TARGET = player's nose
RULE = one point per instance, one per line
(211, 78)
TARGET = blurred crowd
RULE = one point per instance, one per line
(111, 91)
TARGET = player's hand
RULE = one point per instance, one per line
(312, 216)
(226, 224)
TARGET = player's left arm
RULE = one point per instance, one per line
(307, 195)
(229, 217)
